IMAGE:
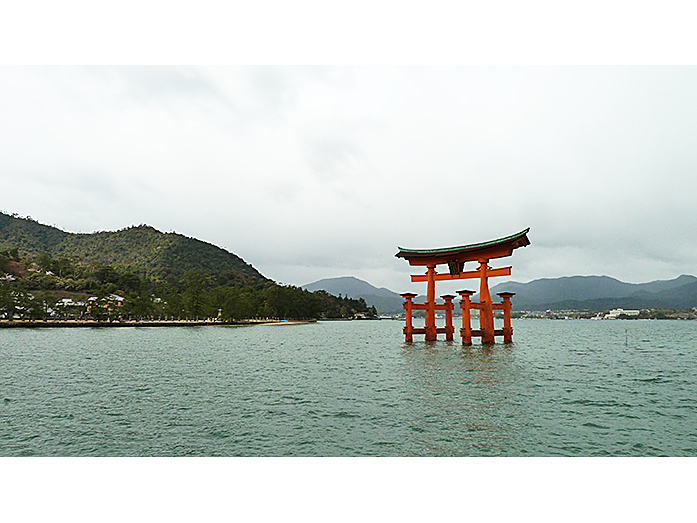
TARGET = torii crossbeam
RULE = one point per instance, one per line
(455, 258)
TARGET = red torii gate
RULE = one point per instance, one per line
(455, 258)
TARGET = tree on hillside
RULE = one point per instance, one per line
(139, 305)
(44, 262)
(129, 281)
(106, 274)
(194, 297)
(7, 300)
(173, 307)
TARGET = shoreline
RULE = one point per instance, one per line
(14, 324)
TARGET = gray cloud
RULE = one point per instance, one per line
(314, 172)
(333, 156)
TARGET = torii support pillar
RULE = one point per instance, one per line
(430, 324)
(507, 328)
(449, 329)
(408, 306)
(486, 311)
(466, 306)
(430, 308)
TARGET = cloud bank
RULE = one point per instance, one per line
(314, 172)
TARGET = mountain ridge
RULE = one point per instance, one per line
(162, 256)
(383, 299)
(598, 293)
(594, 293)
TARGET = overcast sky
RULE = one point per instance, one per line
(316, 172)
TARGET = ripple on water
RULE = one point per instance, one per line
(349, 389)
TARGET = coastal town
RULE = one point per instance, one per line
(614, 314)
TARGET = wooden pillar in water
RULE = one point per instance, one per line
(431, 332)
(486, 311)
(409, 328)
(507, 328)
(449, 329)
(465, 305)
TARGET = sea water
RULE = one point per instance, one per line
(563, 388)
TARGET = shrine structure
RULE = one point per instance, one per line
(455, 258)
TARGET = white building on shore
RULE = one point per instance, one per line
(614, 314)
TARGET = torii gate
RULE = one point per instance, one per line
(455, 258)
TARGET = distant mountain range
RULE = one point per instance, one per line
(594, 293)
(598, 293)
(384, 300)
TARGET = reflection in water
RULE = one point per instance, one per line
(465, 397)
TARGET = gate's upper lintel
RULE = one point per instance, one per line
(477, 251)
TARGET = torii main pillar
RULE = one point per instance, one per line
(455, 258)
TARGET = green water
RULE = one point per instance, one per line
(564, 388)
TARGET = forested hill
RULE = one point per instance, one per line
(142, 273)
(163, 257)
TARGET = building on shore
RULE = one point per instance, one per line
(616, 314)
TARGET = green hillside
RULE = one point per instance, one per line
(162, 257)
(142, 273)
(28, 235)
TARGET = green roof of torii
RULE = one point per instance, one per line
(467, 251)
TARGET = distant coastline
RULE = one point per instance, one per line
(10, 324)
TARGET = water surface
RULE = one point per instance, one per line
(564, 388)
